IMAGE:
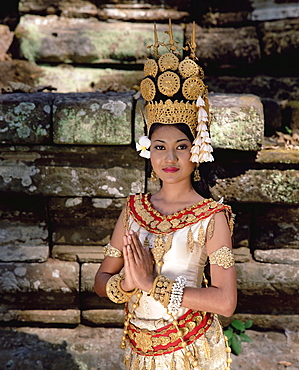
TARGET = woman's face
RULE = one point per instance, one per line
(170, 154)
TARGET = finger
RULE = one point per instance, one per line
(136, 244)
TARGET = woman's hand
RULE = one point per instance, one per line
(139, 261)
(128, 283)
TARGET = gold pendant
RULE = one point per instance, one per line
(190, 240)
(211, 228)
(201, 237)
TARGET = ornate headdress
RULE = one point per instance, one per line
(175, 93)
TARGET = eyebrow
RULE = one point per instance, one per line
(162, 141)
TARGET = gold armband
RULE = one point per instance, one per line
(223, 257)
(110, 251)
(115, 292)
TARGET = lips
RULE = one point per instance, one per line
(170, 169)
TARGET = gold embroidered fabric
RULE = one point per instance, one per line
(110, 251)
(223, 257)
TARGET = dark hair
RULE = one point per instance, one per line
(202, 186)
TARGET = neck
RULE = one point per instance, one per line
(173, 192)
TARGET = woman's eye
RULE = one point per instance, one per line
(182, 146)
(159, 147)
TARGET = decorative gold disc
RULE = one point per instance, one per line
(150, 68)
(168, 61)
(188, 68)
(192, 88)
(148, 89)
(169, 83)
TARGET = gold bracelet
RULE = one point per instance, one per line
(223, 257)
(161, 290)
(110, 251)
(115, 292)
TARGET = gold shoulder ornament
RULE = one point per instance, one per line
(223, 257)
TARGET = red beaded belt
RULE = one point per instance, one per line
(169, 338)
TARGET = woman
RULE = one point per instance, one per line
(158, 251)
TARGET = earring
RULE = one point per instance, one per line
(153, 176)
(196, 175)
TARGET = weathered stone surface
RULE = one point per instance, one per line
(266, 288)
(58, 171)
(281, 38)
(51, 317)
(226, 47)
(242, 254)
(94, 41)
(276, 227)
(6, 37)
(89, 299)
(266, 322)
(111, 318)
(79, 348)
(83, 348)
(268, 350)
(78, 253)
(237, 121)
(50, 285)
(290, 256)
(20, 253)
(260, 186)
(271, 9)
(25, 118)
(84, 221)
(68, 78)
(279, 155)
(143, 13)
(93, 118)
(23, 234)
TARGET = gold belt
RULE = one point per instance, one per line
(167, 339)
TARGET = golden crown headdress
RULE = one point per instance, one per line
(174, 92)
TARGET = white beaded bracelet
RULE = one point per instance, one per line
(176, 295)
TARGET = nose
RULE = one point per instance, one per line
(170, 156)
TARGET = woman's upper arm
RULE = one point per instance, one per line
(221, 277)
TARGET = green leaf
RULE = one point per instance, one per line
(237, 324)
(248, 324)
(288, 130)
(228, 333)
(236, 345)
(245, 338)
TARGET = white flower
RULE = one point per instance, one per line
(202, 115)
(143, 144)
(200, 102)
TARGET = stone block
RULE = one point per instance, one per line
(50, 285)
(271, 10)
(84, 221)
(77, 171)
(68, 78)
(110, 318)
(89, 299)
(275, 227)
(260, 186)
(242, 254)
(26, 118)
(61, 348)
(280, 323)
(80, 253)
(20, 253)
(237, 121)
(278, 155)
(93, 118)
(6, 37)
(41, 317)
(284, 256)
(266, 288)
(88, 41)
(281, 39)
(226, 47)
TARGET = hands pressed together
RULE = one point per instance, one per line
(138, 264)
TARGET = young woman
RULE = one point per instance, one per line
(158, 251)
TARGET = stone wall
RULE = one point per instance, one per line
(67, 161)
